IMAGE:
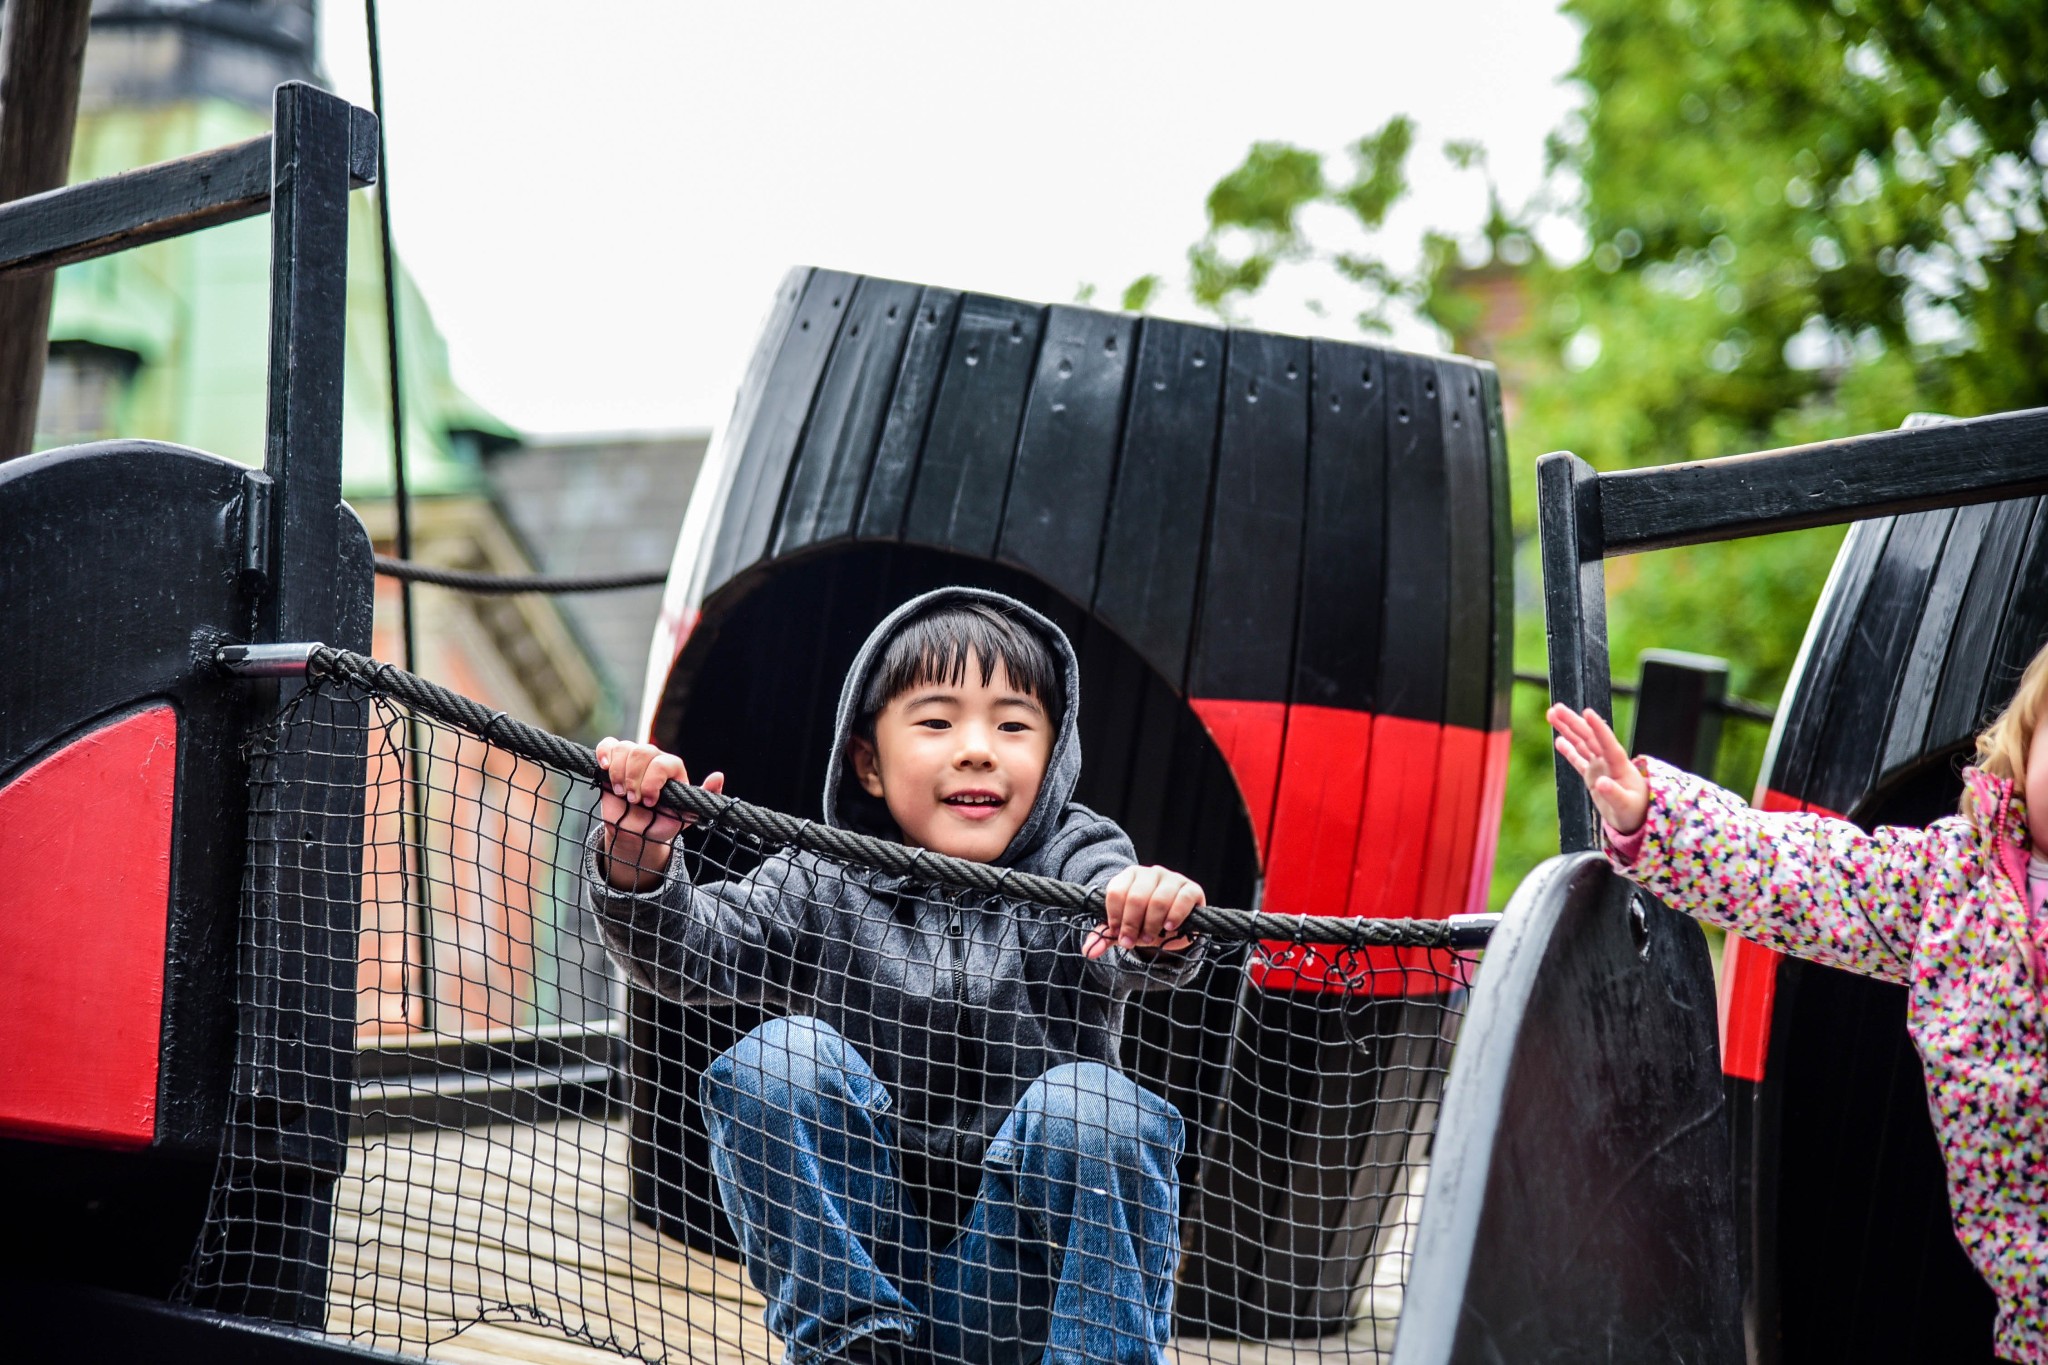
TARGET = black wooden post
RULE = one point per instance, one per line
(298, 1028)
(1574, 616)
(1678, 708)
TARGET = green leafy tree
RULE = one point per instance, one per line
(1804, 220)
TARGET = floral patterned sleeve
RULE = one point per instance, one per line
(1806, 885)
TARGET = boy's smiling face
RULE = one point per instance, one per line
(958, 764)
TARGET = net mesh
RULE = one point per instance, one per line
(779, 1103)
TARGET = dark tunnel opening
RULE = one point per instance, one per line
(753, 695)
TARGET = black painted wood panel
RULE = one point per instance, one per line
(957, 500)
(1501, 676)
(1887, 473)
(1913, 704)
(1412, 658)
(1790, 768)
(1468, 658)
(1873, 656)
(1580, 1201)
(1959, 701)
(762, 467)
(1244, 632)
(2026, 623)
(1343, 581)
(910, 415)
(1066, 453)
(845, 428)
(1152, 543)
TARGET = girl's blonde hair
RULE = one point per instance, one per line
(2002, 747)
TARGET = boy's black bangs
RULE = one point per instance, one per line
(934, 648)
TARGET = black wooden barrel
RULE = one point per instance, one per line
(1916, 643)
(1285, 565)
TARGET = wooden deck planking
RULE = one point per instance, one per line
(435, 1229)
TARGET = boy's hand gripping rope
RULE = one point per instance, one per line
(774, 828)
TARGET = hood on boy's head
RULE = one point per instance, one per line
(849, 807)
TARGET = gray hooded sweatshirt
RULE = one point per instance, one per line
(957, 1002)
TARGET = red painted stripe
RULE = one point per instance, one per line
(1749, 990)
(1250, 734)
(1316, 817)
(1454, 821)
(1370, 971)
(1394, 836)
(1749, 979)
(1487, 839)
(1376, 815)
(83, 913)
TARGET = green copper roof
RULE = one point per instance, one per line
(194, 310)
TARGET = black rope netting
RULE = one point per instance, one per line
(797, 1094)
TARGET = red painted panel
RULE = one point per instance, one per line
(1454, 821)
(1418, 821)
(1394, 838)
(1316, 817)
(1492, 797)
(1250, 735)
(1749, 980)
(83, 909)
(1749, 989)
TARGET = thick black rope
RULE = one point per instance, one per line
(778, 830)
(463, 580)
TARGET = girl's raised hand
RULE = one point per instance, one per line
(1619, 790)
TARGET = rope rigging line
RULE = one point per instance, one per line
(465, 580)
(880, 855)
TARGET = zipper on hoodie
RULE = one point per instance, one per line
(956, 944)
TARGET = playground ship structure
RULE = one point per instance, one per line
(1286, 566)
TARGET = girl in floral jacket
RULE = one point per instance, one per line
(1956, 912)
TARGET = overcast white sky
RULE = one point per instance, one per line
(598, 199)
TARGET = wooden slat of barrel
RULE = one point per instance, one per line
(1501, 669)
(1401, 777)
(1913, 698)
(1066, 454)
(1461, 752)
(1872, 658)
(2025, 628)
(771, 439)
(1329, 721)
(1790, 766)
(957, 500)
(1243, 662)
(1468, 502)
(845, 429)
(1344, 564)
(910, 413)
(1152, 539)
(1959, 698)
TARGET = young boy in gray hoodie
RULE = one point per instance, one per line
(933, 1155)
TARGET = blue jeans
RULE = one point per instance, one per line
(1069, 1251)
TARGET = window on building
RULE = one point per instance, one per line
(83, 385)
